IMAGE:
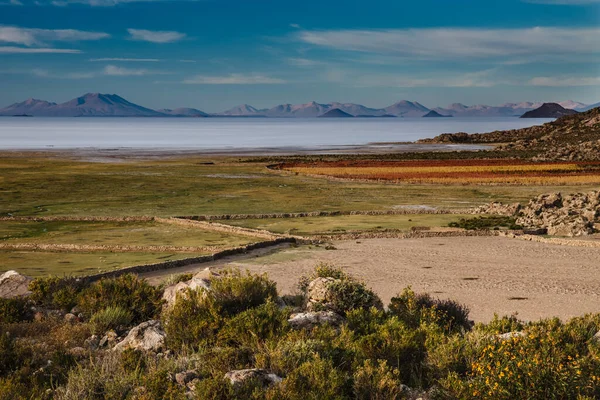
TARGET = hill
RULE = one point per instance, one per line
(549, 110)
(435, 114)
(336, 113)
(572, 137)
(184, 112)
(27, 107)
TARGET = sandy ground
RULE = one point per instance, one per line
(488, 274)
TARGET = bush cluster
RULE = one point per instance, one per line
(491, 222)
(417, 346)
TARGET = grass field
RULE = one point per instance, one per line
(37, 263)
(41, 184)
(339, 224)
(512, 172)
(115, 233)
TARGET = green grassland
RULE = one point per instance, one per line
(41, 184)
(115, 233)
(340, 224)
(38, 263)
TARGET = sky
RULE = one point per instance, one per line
(216, 54)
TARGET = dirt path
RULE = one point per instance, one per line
(489, 274)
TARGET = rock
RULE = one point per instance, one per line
(573, 215)
(239, 377)
(497, 208)
(510, 335)
(320, 294)
(147, 336)
(309, 320)
(199, 281)
(71, 318)
(92, 343)
(13, 284)
(597, 337)
(183, 378)
(109, 339)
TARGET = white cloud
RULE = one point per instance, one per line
(155, 36)
(97, 3)
(295, 26)
(124, 59)
(564, 81)
(460, 44)
(233, 79)
(113, 70)
(564, 2)
(39, 37)
(304, 62)
(39, 50)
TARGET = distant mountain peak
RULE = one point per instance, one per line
(336, 113)
(549, 110)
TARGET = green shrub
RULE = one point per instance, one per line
(176, 278)
(13, 310)
(133, 360)
(415, 309)
(377, 381)
(9, 358)
(193, 321)
(55, 292)
(491, 222)
(115, 318)
(500, 325)
(143, 300)
(235, 291)
(255, 326)
(322, 270)
(315, 379)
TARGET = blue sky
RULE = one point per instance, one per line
(215, 54)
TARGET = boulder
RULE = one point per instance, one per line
(320, 294)
(309, 320)
(13, 284)
(147, 336)
(239, 377)
(199, 281)
(108, 340)
(92, 343)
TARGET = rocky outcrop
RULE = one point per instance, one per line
(572, 215)
(199, 281)
(309, 320)
(586, 151)
(13, 284)
(147, 336)
(239, 377)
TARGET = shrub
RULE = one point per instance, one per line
(235, 291)
(56, 292)
(176, 278)
(193, 321)
(143, 300)
(491, 222)
(133, 360)
(9, 359)
(315, 379)
(500, 325)
(13, 310)
(377, 382)
(415, 309)
(116, 318)
(322, 270)
(255, 326)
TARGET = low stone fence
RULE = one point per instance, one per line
(558, 241)
(77, 219)
(70, 248)
(140, 269)
(401, 211)
(418, 234)
(212, 226)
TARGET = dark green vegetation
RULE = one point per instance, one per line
(418, 341)
(491, 222)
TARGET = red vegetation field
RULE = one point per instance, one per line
(456, 171)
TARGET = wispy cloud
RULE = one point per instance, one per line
(233, 79)
(113, 70)
(124, 59)
(38, 50)
(304, 62)
(96, 3)
(155, 36)
(564, 81)
(40, 37)
(460, 44)
(564, 2)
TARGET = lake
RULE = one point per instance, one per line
(233, 133)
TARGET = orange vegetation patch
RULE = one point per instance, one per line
(457, 171)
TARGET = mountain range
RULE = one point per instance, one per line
(112, 105)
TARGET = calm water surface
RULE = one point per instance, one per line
(232, 133)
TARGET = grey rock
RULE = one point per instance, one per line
(239, 377)
(109, 339)
(147, 336)
(183, 378)
(13, 284)
(309, 320)
(199, 281)
(92, 343)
